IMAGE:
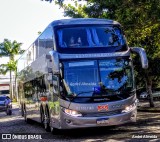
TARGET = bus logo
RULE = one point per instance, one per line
(102, 107)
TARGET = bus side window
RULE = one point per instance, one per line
(49, 38)
(45, 42)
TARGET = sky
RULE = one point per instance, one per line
(21, 20)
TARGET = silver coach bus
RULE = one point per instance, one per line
(79, 73)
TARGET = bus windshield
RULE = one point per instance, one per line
(91, 37)
(98, 77)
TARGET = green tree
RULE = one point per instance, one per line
(141, 23)
(10, 49)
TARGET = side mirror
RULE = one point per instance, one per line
(141, 52)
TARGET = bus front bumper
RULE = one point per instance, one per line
(70, 122)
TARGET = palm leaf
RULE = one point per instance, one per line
(8, 48)
(10, 66)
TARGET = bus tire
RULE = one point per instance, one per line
(46, 122)
(41, 115)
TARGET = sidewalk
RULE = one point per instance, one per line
(145, 106)
(15, 104)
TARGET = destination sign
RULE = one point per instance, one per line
(71, 56)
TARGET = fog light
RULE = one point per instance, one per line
(129, 108)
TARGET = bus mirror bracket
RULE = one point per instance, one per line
(141, 52)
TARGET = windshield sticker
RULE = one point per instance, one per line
(82, 84)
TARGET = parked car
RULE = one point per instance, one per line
(5, 105)
(155, 93)
(143, 95)
(139, 91)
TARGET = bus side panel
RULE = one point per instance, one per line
(54, 105)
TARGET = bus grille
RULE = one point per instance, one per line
(99, 114)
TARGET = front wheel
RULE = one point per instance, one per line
(41, 116)
(47, 120)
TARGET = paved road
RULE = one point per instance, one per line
(146, 123)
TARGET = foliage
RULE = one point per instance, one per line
(10, 49)
(11, 65)
(141, 22)
(140, 19)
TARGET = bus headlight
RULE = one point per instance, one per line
(72, 112)
(129, 108)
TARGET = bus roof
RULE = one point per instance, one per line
(74, 21)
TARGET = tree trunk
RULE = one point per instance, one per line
(15, 90)
(150, 96)
(149, 90)
(10, 84)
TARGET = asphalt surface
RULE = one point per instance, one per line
(147, 128)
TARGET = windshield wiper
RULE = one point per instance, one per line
(93, 95)
(72, 95)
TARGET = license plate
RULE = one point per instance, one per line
(102, 121)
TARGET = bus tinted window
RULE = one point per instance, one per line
(114, 75)
(90, 36)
